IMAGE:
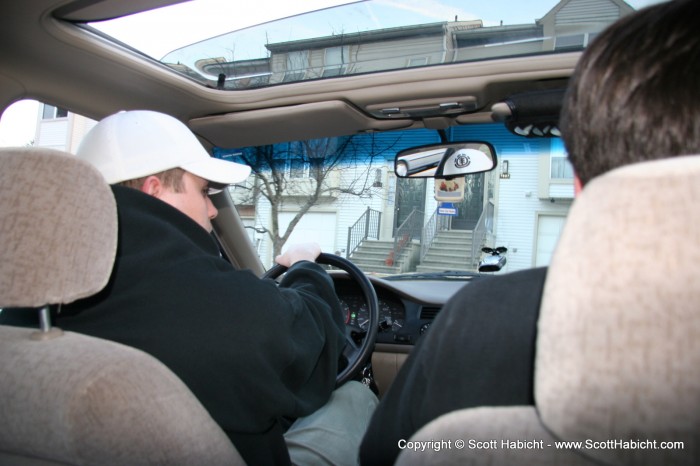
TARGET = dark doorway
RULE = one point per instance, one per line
(469, 210)
(410, 195)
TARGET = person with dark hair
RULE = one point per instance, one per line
(633, 97)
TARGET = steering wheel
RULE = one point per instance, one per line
(355, 354)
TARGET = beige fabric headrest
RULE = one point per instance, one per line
(618, 349)
(58, 228)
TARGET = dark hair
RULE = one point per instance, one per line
(635, 93)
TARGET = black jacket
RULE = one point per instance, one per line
(251, 351)
(480, 351)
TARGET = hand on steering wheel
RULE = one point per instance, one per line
(356, 355)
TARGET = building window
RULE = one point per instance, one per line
(298, 168)
(560, 168)
(51, 113)
(377, 178)
(293, 76)
(329, 72)
(298, 60)
(337, 55)
(422, 61)
(297, 63)
(574, 42)
(335, 60)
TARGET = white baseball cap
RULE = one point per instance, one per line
(137, 143)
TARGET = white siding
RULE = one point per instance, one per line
(517, 208)
(350, 207)
(490, 51)
(578, 11)
(53, 134)
(561, 191)
(383, 55)
(516, 203)
(262, 220)
(63, 133)
(79, 128)
(317, 227)
(430, 203)
(249, 223)
(345, 210)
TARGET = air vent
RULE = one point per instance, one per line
(429, 312)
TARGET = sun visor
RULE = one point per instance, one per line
(313, 120)
(531, 114)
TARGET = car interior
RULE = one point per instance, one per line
(71, 398)
(584, 396)
(117, 405)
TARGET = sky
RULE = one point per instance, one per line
(175, 24)
(18, 123)
(178, 27)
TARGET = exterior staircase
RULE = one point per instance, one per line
(451, 250)
(372, 255)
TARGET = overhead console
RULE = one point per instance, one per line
(426, 108)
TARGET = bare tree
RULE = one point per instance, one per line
(305, 173)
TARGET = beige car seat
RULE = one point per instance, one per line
(618, 346)
(67, 398)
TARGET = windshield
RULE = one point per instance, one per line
(357, 38)
(343, 194)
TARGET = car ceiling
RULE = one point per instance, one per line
(52, 61)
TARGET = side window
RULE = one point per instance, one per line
(18, 124)
(51, 113)
(32, 123)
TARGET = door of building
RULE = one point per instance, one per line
(549, 229)
(410, 195)
(469, 210)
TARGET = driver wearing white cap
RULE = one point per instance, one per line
(253, 353)
(157, 154)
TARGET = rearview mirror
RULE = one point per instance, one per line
(445, 160)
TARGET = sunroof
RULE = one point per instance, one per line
(356, 38)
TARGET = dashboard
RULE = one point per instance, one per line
(406, 308)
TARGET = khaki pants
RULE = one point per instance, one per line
(332, 434)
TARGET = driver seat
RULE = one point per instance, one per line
(67, 398)
(617, 366)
